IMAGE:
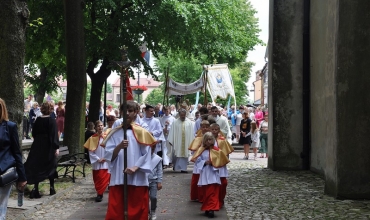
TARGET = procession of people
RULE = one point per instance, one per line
(162, 137)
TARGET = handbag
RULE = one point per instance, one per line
(8, 177)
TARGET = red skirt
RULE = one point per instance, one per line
(194, 187)
(138, 200)
(223, 190)
(101, 180)
(211, 199)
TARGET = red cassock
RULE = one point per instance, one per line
(101, 180)
(222, 190)
(138, 200)
(211, 200)
(194, 187)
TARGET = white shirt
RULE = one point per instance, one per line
(138, 121)
(137, 155)
(224, 125)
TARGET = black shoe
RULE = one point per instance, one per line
(28, 137)
(206, 213)
(35, 194)
(211, 214)
(99, 198)
(184, 171)
(52, 191)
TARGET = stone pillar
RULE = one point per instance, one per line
(351, 91)
(285, 85)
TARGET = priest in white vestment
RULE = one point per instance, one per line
(180, 137)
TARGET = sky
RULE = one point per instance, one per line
(256, 56)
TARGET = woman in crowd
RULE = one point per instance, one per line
(264, 128)
(41, 161)
(60, 118)
(258, 116)
(245, 135)
(10, 155)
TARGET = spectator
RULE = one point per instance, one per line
(26, 123)
(10, 154)
(60, 118)
(258, 116)
(52, 111)
(245, 134)
(41, 161)
(264, 129)
(34, 113)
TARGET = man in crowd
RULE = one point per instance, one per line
(166, 122)
(222, 121)
(180, 137)
(154, 127)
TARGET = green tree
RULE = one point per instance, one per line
(218, 30)
(155, 96)
(45, 54)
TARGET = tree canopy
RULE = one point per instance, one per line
(206, 30)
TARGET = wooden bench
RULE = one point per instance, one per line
(70, 162)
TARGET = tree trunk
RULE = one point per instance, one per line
(76, 77)
(97, 82)
(40, 94)
(13, 21)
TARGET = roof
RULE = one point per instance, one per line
(257, 102)
(148, 82)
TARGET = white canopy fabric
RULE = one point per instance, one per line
(175, 88)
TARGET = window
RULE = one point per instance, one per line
(118, 98)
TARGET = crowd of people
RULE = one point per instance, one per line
(32, 111)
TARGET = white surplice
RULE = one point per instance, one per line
(137, 155)
(167, 159)
(208, 173)
(96, 155)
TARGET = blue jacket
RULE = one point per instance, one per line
(10, 151)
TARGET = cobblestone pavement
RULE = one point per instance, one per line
(254, 192)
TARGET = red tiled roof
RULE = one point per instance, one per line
(148, 82)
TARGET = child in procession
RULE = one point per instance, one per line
(155, 182)
(209, 159)
(99, 165)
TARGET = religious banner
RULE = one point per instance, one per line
(175, 88)
(219, 81)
